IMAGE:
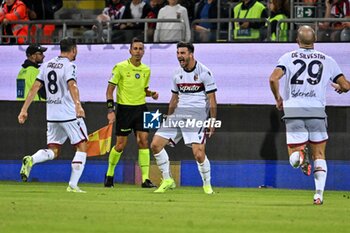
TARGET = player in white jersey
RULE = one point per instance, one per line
(64, 113)
(193, 96)
(307, 73)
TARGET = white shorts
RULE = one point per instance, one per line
(300, 131)
(174, 130)
(58, 132)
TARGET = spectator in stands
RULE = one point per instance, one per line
(189, 5)
(335, 9)
(156, 5)
(279, 9)
(114, 11)
(206, 9)
(172, 31)
(135, 9)
(43, 10)
(249, 9)
(29, 71)
(14, 10)
(345, 33)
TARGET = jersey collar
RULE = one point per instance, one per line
(194, 67)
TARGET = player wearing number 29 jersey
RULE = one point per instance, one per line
(55, 75)
(308, 73)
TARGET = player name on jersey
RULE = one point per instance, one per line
(308, 56)
(54, 65)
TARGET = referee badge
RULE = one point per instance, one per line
(137, 76)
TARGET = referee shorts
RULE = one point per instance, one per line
(130, 118)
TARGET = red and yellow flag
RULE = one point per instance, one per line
(100, 141)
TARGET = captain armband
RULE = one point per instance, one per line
(110, 105)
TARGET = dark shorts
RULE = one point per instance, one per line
(129, 118)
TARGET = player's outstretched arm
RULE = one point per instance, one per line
(342, 85)
(74, 92)
(23, 115)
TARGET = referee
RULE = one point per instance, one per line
(131, 77)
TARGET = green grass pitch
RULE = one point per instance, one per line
(48, 208)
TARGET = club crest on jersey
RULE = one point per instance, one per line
(137, 76)
(195, 77)
(180, 76)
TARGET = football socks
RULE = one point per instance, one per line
(162, 160)
(144, 160)
(113, 160)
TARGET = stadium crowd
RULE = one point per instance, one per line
(252, 20)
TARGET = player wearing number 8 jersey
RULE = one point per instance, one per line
(64, 113)
(307, 73)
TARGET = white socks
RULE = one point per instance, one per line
(78, 164)
(43, 155)
(162, 160)
(320, 175)
(294, 159)
(204, 171)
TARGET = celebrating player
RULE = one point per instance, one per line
(307, 73)
(64, 113)
(193, 95)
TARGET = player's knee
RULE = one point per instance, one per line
(199, 155)
(155, 147)
(142, 143)
(56, 154)
(56, 151)
(82, 146)
(119, 146)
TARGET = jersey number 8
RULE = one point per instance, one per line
(52, 85)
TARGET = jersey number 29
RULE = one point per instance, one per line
(314, 77)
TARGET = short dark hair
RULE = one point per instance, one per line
(67, 44)
(135, 40)
(187, 45)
